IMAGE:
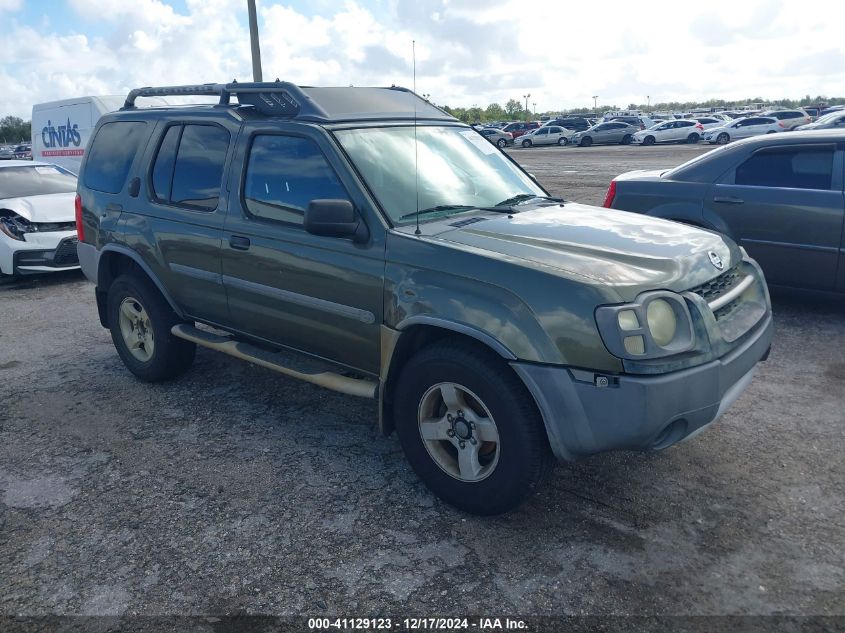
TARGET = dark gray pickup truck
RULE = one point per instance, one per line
(365, 241)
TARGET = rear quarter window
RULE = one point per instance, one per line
(111, 154)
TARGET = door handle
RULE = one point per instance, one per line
(239, 243)
(728, 199)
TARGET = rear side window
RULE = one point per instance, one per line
(188, 168)
(284, 174)
(111, 154)
(796, 168)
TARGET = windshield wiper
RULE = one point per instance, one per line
(524, 197)
(438, 209)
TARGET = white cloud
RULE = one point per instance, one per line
(468, 51)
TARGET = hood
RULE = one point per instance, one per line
(609, 247)
(53, 207)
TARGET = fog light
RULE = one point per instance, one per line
(628, 320)
(635, 345)
(661, 322)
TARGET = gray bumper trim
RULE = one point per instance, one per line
(89, 258)
(639, 412)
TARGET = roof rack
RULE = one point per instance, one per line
(276, 97)
(309, 103)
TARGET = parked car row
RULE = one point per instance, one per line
(16, 152)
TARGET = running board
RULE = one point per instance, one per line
(282, 363)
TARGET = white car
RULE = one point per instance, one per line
(742, 128)
(546, 135)
(37, 223)
(789, 119)
(680, 131)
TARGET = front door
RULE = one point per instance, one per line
(321, 295)
(785, 206)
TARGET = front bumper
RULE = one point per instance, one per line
(39, 253)
(636, 412)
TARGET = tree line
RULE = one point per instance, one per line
(14, 129)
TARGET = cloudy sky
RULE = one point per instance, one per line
(468, 51)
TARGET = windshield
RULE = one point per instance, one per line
(457, 167)
(830, 116)
(35, 180)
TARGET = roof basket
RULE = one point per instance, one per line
(278, 97)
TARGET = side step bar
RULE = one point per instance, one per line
(282, 363)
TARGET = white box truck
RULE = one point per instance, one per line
(62, 129)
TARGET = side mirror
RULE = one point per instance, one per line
(335, 218)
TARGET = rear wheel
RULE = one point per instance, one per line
(563, 141)
(648, 140)
(586, 141)
(470, 429)
(693, 138)
(501, 142)
(140, 320)
(723, 138)
(626, 140)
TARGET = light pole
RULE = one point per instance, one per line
(535, 106)
(253, 40)
(648, 99)
(594, 102)
(526, 105)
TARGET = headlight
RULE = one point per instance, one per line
(657, 324)
(14, 226)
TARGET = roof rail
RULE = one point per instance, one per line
(277, 97)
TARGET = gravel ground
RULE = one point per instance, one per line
(235, 490)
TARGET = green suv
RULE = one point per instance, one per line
(363, 240)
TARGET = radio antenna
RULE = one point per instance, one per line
(416, 153)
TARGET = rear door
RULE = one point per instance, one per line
(321, 295)
(785, 205)
(181, 211)
(541, 136)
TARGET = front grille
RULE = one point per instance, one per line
(715, 288)
(66, 253)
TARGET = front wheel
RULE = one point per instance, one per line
(723, 139)
(470, 429)
(563, 141)
(586, 141)
(648, 140)
(140, 320)
(526, 143)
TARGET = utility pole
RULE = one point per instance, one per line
(648, 98)
(527, 111)
(253, 39)
(535, 107)
(594, 102)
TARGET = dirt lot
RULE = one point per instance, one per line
(235, 490)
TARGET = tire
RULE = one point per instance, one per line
(626, 140)
(648, 140)
(563, 141)
(723, 138)
(586, 141)
(485, 391)
(771, 132)
(158, 355)
(526, 143)
(501, 143)
(693, 138)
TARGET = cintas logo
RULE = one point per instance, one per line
(62, 136)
